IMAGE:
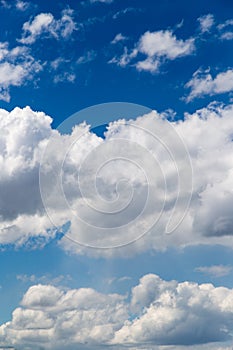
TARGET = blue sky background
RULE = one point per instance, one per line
(85, 57)
(96, 81)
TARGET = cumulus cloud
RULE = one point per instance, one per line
(156, 47)
(177, 313)
(44, 24)
(52, 318)
(202, 84)
(158, 312)
(17, 67)
(130, 200)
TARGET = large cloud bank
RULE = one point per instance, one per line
(158, 312)
(113, 189)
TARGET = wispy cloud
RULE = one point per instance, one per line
(215, 270)
(102, 1)
(45, 279)
(206, 22)
(45, 24)
(89, 56)
(119, 37)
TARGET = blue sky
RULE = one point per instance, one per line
(159, 60)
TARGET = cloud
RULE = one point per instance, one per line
(44, 24)
(227, 36)
(156, 47)
(222, 31)
(44, 279)
(226, 30)
(178, 313)
(202, 83)
(52, 318)
(68, 77)
(215, 270)
(102, 1)
(119, 37)
(17, 67)
(89, 56)
(24, 137)
(22, 5)
(17, 4)
(158, 312)
(206, 22)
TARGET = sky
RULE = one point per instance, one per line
(116, 158)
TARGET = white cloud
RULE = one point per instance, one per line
(202, 83)
(17, 4)
(24, 136)
(215, 270)
(178, 313)
(119, 37)
(44, 279)
(158, 313)
(164, 43)
(66, 76)
(156, 47)
(52, 318)
(225, 30)
(89, 56)
(22, 5)
(103, 1)
(46, 24)
(206, 22)
(17, 67)
(227, 36)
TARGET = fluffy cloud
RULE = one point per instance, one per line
(158, 313)
(51, 318)
(202, 83)
(23, 133)
(46, 24)
(178, 313)
(222, 31)
(206, 22)
(17, 66)
(156, 47)
(113, 189)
